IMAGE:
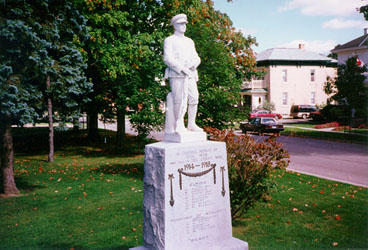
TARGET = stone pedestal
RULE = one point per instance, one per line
(188, 136)
(186, 197)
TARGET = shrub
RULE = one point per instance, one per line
(342, 128)
(335, 112)
(362, 126)
(327, 125)
(251, 165)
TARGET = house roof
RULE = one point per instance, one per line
(291, 54)
(356, 43)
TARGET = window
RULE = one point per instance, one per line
(284, 75)
(312, 75)
(313, 97)
(284, 98)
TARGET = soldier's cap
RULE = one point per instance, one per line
(180, 18)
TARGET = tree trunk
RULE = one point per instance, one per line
(51, 124)
(7, 158)
(92, 124)
(120, 128)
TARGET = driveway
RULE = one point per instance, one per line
(344, 162)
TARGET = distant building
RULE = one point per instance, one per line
(357, 47)
(293, 77)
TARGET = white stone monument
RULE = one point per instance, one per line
(186, 190)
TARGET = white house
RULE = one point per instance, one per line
(357, 47)
(293, 77)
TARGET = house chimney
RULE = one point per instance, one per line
(301, 46)
(365, 31)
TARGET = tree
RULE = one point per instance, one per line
(124, 61)
(126, 67)
(348, 87)
(364, 11)
(38, 61)
(58, 61)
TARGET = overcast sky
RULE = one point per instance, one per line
(319, 24)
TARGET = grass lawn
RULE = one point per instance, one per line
(303, 125)
(347, 137)
(91, 197)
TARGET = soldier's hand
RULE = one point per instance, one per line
(186, 71)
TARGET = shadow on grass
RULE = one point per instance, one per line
(34, 141)
(53, 245)
(23, 185)
(131, 169)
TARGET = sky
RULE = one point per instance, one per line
(318, 24)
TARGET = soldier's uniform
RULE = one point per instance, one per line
(179, 55)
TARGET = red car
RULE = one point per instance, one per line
(264, 113)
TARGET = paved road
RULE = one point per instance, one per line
(344, 162)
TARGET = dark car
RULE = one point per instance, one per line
(264, 113)
(262, 125)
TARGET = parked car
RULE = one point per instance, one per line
(264, 113)
(302, 111)
(262, 125)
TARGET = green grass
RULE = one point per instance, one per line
(348, 137)
(91, 197)
(307, 213)
(312, 124)
(303, 125)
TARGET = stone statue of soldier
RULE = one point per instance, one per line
(182, 61)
